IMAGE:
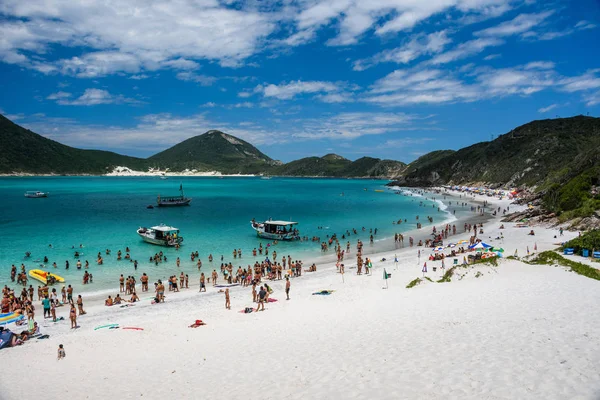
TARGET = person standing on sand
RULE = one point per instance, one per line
(214, 277)
(121, 283)
(73, 316)
(46, 304)
(287, 287)
(202, 283)
(227, 301)
(80, 305)
(262, 295)
(254, 294)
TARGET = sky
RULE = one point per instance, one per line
(392, 79)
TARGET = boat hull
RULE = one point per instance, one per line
(161, 242)
(178, 203)
(275, 236)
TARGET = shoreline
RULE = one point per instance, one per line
(474, 337)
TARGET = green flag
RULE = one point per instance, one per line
(385, 274)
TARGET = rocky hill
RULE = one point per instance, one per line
(213, 151)
(23, 151)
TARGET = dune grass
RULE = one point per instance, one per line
(552, 257)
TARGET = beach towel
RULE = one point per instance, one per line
(198, 323)
(323, 292)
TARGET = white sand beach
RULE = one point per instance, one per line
(515, 331)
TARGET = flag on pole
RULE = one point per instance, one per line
(385, 274)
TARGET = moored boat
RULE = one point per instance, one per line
(161, 235)
(35, 194)
(174, 201)
(277, 230)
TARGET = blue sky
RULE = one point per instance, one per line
(384, 78)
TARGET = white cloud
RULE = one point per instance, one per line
(91, 97)
(420, 86)
(592, 99)
(203, 80)
(548, 108)
(520, 24)
(465, 50)
(139, 77)
(59, 96)
(589, 80)
(286, 91)
(581, 25)
(492, 57)
(417, 46)
(131, 36)
(354, 125)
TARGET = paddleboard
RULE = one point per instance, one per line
(106, 326)
(133, 328)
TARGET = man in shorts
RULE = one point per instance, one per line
(287, 287)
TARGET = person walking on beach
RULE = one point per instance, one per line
(287, 287)
(202, 283)
(227, 300)
(214, 277)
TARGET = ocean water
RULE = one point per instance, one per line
(104, 213)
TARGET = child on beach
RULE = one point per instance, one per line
(61, 352)
(227, 300)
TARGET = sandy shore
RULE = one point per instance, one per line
(506, 332)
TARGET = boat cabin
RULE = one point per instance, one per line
(165, 232)
(279, 227)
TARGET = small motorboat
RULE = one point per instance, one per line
(34, 194)
(278, 230)
(150, 206)
(161, 235)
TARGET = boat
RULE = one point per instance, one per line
(277, 230)
(174, 201)
(265, 178)
(46, 278)
(34, 194)
(161, 235)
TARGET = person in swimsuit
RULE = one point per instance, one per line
(287, 288)
(73, 316)
(80, 305)
(262, 296)
(227, 301)
(202, 283)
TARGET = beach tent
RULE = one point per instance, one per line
(480, 246)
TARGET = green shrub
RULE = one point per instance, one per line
(414, 283)
(589, 240)
(551, 257)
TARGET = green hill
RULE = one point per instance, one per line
(333, 165)
(213, 151)
(535, 154)
(23, 151)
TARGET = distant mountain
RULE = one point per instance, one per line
(23, 151)
(213, 151)
(333, 165)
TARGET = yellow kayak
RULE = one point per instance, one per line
(42, 276)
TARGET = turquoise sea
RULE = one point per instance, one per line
(104, 212)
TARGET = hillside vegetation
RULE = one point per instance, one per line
(23, 151)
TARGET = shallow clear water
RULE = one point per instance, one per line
(104, 212)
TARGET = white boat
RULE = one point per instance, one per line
(34, 194)
(277, 230)
(161, 235)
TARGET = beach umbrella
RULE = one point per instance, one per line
(439, 248)
(498, 250)
(462, 241)
(452, 245)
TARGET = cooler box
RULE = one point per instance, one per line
(568, 252)
(596, 254)
(585, 252)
